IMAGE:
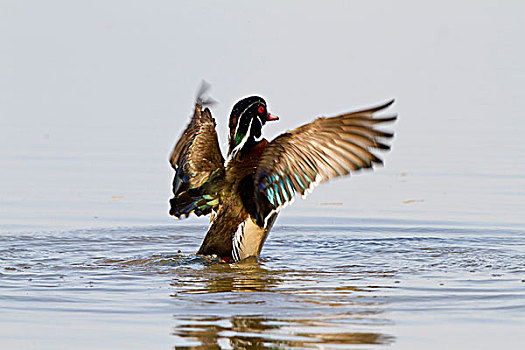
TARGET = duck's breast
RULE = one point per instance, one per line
(249, 239)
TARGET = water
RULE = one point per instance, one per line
(414, 255)
(333, 286)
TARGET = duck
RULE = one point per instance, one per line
(244, 193)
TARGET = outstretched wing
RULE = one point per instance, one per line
(195, 158)
(326, 148)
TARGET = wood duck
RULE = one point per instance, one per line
(245, 194)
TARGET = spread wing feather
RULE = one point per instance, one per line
(195, 158)
(326, 148)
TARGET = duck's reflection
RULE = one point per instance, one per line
(245, 305)
(248, 276)
(252, 332)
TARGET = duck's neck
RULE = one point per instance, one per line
(243, 145)
(251, 147)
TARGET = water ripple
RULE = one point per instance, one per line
(313, 285)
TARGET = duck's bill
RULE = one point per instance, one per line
(272, 117)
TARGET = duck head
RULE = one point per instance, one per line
(246, 121)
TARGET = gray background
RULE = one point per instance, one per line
(94, 94)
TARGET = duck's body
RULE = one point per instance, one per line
(245, 194)
(233, 214)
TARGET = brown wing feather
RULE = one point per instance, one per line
(195, 157)
(316, 152)
(197, 150)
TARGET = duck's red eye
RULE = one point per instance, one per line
(261, 109)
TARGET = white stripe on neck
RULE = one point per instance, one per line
(240, 145)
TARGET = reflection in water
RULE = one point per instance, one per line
(219, 278)
(249, 306)
(258, 332)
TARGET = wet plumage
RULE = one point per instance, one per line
(245, 194)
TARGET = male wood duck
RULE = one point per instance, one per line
(245, 194)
